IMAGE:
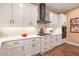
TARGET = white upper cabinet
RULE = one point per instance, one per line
(62, 19)
(5, 14)
(17, 14)
(27, 15)
(57, 20)
(53, 17)
(30, 15)
(34, 12)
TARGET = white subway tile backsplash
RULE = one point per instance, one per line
(11, 31)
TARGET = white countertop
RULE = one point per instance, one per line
(18, 37)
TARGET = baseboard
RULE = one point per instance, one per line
(72, 43)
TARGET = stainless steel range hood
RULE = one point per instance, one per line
(42, 14)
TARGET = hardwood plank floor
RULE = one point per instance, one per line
(63, 50)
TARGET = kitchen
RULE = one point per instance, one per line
(30, 29)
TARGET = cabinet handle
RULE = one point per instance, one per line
(56, 39)
(22, 47)
(33, 45)
(10, 21)
(45, 42)
(33, 40)
(45, 48)
(16, 42)
(13, 21)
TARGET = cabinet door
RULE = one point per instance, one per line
(5, 14)
(59, 39)
(27, 15)
(36, 46)
(14, 51)
(30, 15)
(34, 12)
(32, 46)
(54, 40)
(17, 14)
(62, 20)
(53, 17)
(44, 44)
(28, 47)
(13, 47)
(51, 42)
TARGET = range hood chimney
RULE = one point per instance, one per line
(42, 14)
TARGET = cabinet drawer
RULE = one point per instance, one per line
(33, 40)
(49, 37)
(37, 39)
(13, 43)
(44, 38)
(29, 41)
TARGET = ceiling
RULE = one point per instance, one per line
(61, 7)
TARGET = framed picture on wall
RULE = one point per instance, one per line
(74, 25)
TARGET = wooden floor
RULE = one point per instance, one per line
(63, 50)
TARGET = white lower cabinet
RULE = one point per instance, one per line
(28, 47)
(44, 44)
(50, 41)
(36, 46)
(59, 40)
(25, 47)
(47, 43)
(32, 46)
(28, 50)
(13, 48)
